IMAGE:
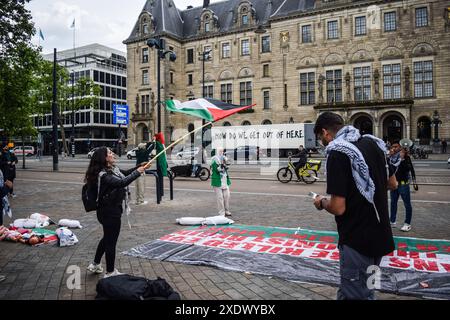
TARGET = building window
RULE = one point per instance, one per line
(360, 26)
(245, 89)
(333, 31)
(334, 86)
(266, 99)
(226, 50)
(171, 77)
(245, 20)
(190, 80)
(144, 55)
(226, 93)
(208, 91)
(306, 34)
(207, 29)
(265, 70)
(423, 79)
(145, 78)
(421, 17)
(390, 21)
(245, 47)
(145, 104)
(307, 88)
(391, 81)
(145, 28)
(190, 56)
(265, 47)
(209, 55)
(361, 76)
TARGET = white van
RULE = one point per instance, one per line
(29, 151)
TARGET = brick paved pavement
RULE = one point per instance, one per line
(40, 272)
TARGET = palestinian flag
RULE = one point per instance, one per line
(205, 108)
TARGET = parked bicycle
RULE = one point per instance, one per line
(418, 153)
(308, 173)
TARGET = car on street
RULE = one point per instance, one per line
(132, 153)
(186, 153)
(29, 151)
(90, 153)
(246, 153)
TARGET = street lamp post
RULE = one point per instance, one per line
(72, 138)
(205, 56)
(436, 123)
(160, 45)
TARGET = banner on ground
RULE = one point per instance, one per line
(417, 266)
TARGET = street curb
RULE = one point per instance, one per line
(234, 178)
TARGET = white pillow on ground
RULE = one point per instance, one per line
(189, 221)
(26, 223)
(70, 223)
(42, 219)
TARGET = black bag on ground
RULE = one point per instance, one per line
(127, 287)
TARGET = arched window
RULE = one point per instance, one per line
(226, 124)
(266, 122)
(246, 123)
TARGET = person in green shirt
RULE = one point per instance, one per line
(220, 181)
(142, 156)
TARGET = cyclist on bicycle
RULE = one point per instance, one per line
(303, 155)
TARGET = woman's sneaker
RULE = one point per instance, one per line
(406, 227)
(95, 268)
(393, 224)
(112, 274)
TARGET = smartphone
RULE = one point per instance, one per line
(312, 194)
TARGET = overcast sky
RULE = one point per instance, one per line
(107, 22)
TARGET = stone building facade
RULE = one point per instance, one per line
(384, 66)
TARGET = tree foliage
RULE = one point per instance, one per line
(19, 60)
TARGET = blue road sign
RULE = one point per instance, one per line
(120, 114)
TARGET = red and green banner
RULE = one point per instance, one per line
(410, 254)
(205, 108)
(416, 267)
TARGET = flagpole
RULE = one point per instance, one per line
(175, 143)
(181, 139)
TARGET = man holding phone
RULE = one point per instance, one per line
(357, 180)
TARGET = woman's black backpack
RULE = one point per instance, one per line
(90, 194)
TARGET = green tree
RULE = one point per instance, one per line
(85, 94)
(18, 62)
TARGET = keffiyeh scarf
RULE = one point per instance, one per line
(360, 170)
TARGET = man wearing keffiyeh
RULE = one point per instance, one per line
(357, 182)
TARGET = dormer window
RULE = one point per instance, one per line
(245, 14)
(207, 27)
(146, 23)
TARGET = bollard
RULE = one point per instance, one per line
(170, 176)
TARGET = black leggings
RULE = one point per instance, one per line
(107, 246)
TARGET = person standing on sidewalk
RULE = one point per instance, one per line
(444, 146)
(13, 163)
(405, 170)
(220, 181)
(357, 182)
(112, 198)
(142, 154)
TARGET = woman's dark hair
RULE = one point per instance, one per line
(97, 164)
(329, 121)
